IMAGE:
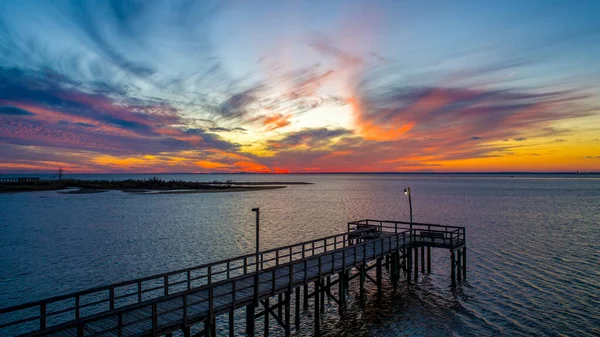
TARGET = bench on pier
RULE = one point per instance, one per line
(432, 235)
(365, 232)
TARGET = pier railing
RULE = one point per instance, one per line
(152, 311)
(39, 315)
(433, 234)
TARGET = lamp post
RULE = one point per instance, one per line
(256, 279)
(407, 192)
(257, 210)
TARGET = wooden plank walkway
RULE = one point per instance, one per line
(280, 270)
(171, 314)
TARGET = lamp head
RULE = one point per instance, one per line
(407, 191)
(255, 209)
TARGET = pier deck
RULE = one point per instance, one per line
(170, 302)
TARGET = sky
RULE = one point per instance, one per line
(299, 86)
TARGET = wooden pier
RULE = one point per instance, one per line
(174, 302)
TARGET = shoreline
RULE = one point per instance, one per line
(176, 191)
(149, 186)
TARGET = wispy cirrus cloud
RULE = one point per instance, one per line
(172, 85)
(41, 110)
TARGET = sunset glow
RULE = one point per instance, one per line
(275, 87)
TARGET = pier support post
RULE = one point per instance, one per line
(378, 275)
(280, 307)
(322, 294)
(408, 264)
(362, 283)
(341, 289)
(317, 309)
(288, 298)
(232, 323)
(459, 265)
(306, 296)
(416, 264)
(266, 310)
(346, 281)
(428, 259)
(395, 273)
(209, 324)
(250, 320)
(423, 259)
(464, 264)
(452, 268)
(186, 332)
(297, 307)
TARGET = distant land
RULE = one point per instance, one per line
(153, 185)
(6, 174)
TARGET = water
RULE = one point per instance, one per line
(533, 246)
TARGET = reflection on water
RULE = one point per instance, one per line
(534, 246)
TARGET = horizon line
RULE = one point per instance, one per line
(309, 173)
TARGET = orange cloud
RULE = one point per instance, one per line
(210, 164)
(251, 167)
(276, 121)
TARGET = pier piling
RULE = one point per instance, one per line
(452, 268)
(416, 264)
(428, 260)
(464, 265)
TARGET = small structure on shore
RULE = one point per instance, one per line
(20, 180)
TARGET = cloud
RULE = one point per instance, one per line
(222, 129)
(310, 138)
(137, 85)
(389, 111)
(327, 48)
(212, 140)
(275, 121)
(49, 111)
(14, 111)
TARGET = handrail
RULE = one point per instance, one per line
(454, 236)
(184, 295)
(405, 223)
(211, 273)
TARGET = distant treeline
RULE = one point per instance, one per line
(128, 185)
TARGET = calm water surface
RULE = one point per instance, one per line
(533, 243)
